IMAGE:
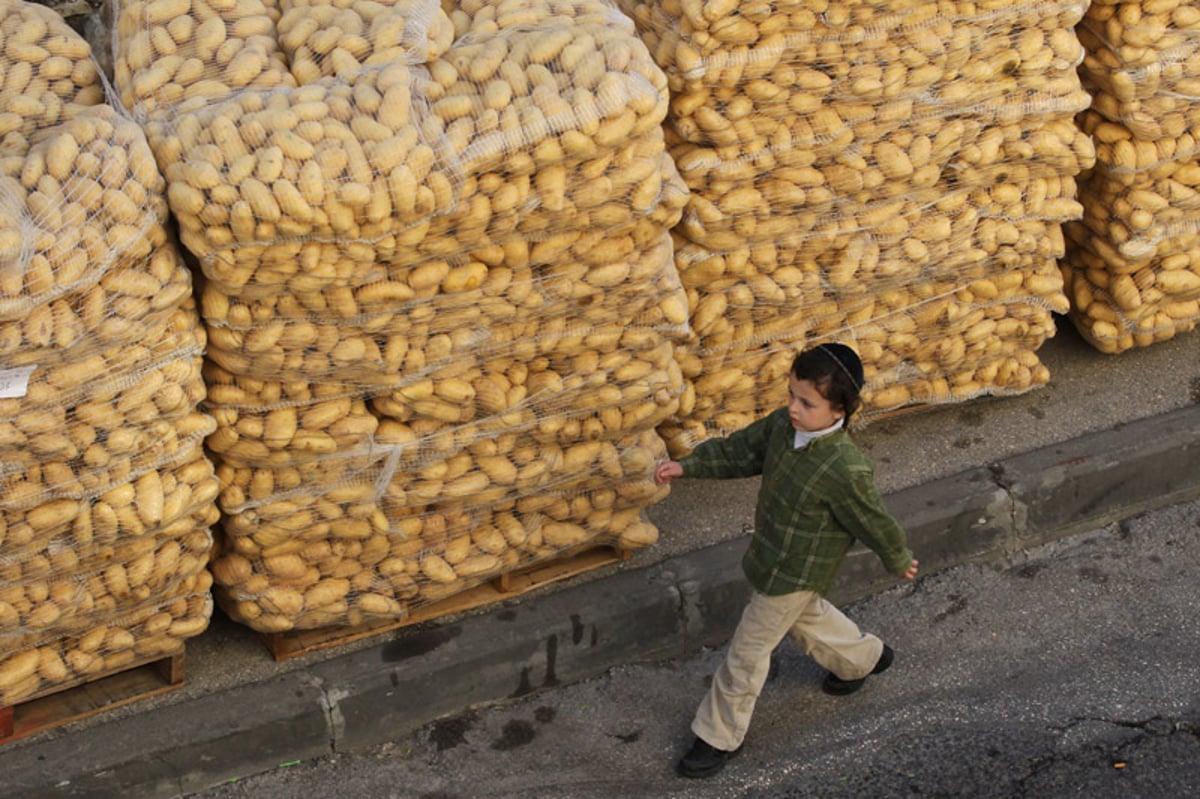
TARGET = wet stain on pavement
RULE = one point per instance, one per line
(545, 714)
(1028, 571)
(1195, 390)
(525, 685)
(516, 733)
(449, 733)
(971, 417)
(1093, 575)
(1036, 412)
(957, 605)
(439, 795)
(551, 661)
(419, 642)
(627, 738)
(888, 428)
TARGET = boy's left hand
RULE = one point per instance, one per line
(911, 573)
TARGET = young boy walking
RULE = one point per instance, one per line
(817, 497)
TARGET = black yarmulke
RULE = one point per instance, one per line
(848, 359)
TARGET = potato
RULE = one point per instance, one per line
(423, 554)
(91, 424)
(1130, 269)
(49, 74)
(895, 180)
(321, 40)
(108, 496)
(439, 294)
(36, 667)
(350, 159)
(88, 202)
(171, 53)
(365, 336)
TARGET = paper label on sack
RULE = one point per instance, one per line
(14, 383)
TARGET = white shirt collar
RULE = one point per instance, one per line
(805, 436)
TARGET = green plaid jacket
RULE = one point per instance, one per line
(813, 504)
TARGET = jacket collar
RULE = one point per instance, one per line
(801, 439)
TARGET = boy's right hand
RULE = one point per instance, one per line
(911, 572)
(667, 471)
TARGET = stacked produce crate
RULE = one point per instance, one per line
(1133, 264)
(892, 174)
(106, 496)
(438, 286)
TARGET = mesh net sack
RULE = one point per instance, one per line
(1132, 270)
(866, 166)
(49, 75)
(33, 664)
(106, 497)
(439, 288)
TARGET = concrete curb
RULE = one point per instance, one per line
(665, 610)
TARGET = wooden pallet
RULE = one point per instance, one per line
(87, 696)
(294, 643)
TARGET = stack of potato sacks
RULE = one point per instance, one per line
(438, 285)
(1132, 269)
(106, 497)
(891, 174)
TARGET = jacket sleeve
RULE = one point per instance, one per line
(738, 455)
(861, 513)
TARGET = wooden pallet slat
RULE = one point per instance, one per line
(294, 643)
(87, 696)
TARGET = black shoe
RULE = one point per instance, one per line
(836, 686)
(704, 760)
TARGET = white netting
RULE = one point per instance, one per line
(106, 497)
(439, 286)
(1132, 269)
(890, 174)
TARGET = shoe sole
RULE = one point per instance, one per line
(847, 687)
(694, 774)
(698, 774)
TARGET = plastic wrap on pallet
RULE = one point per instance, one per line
(106, 497)
(438, 277)
(386, 334)
(531, 434)
(83, 426)
(1132, 269)
(853, 161)
(155, 628)
(401, 163)
(734, 323)
(280, 572)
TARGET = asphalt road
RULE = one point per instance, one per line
(1070, 670)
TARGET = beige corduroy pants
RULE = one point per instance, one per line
(822, 630)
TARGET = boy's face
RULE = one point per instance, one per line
(809, 411)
